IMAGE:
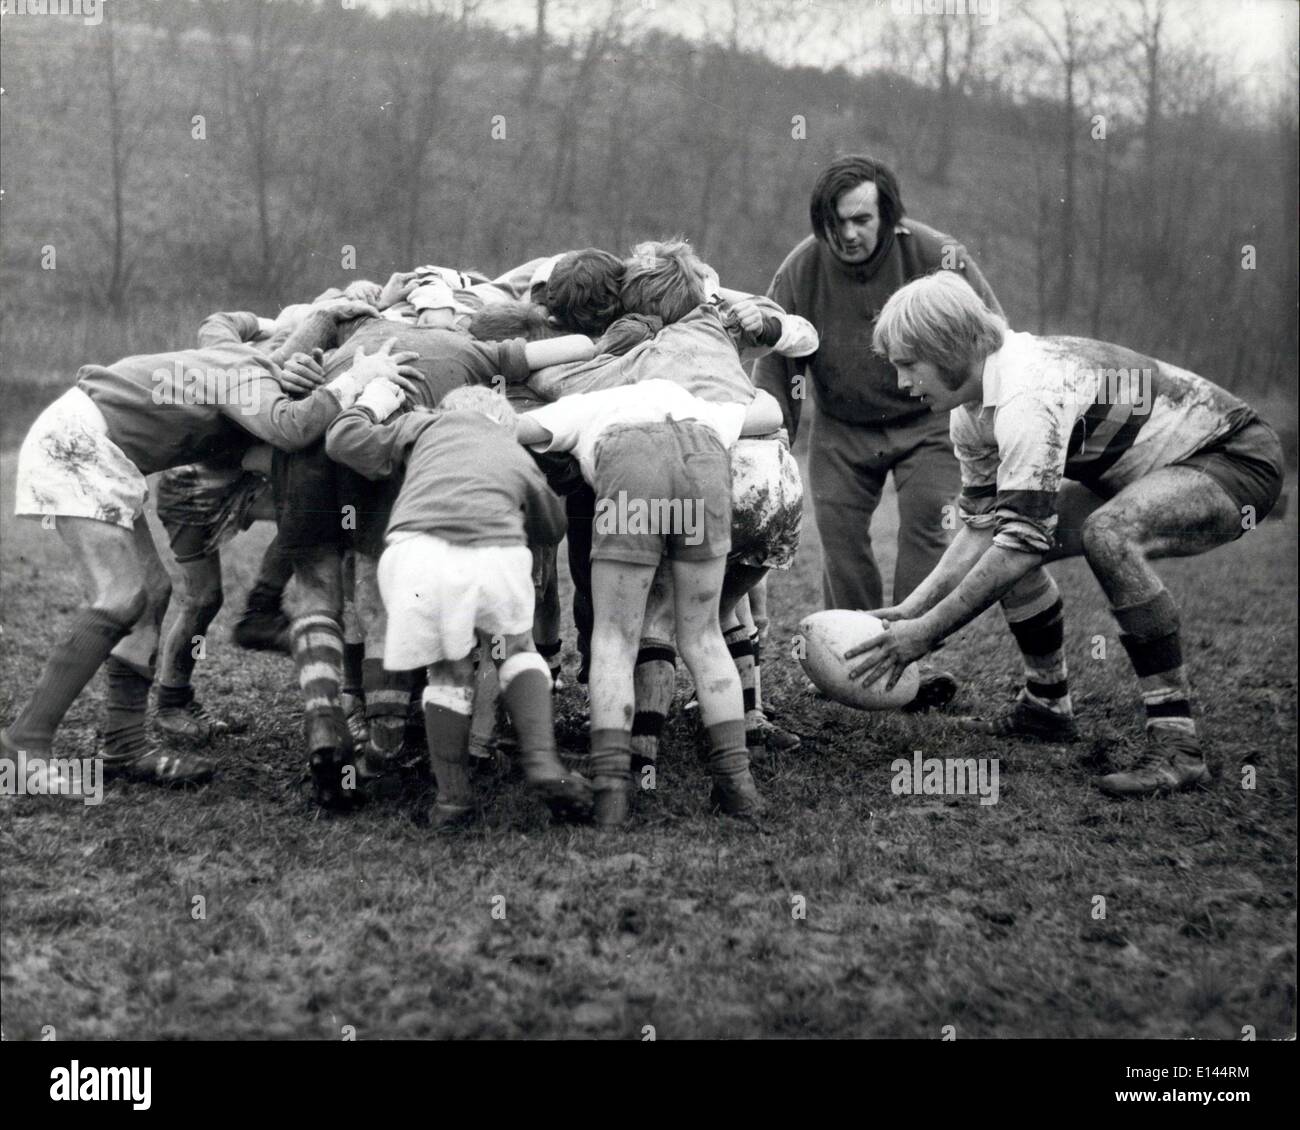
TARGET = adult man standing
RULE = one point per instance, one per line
(860, 252)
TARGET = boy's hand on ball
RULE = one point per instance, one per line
(902, 642)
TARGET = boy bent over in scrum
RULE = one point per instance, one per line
(654, 448)
(457, 568)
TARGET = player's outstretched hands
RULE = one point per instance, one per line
(902, 642)
(398, 286)
(384, 363)
(303, 373)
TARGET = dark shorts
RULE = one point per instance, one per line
(203, 505)
(1248, 464)
(661, 489)
(320, 504)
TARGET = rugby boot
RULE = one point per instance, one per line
(190, 722)
(1024, 719)
(446, 817)
(355, 719)
(736, 795)
(937, 689)
(38, 767)
(761, 733)
(158, 766)
(1172, 762)
(330, 758)
(567, 794)
(262, 629)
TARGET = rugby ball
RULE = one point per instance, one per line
(826, 637)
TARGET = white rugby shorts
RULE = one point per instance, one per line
(69, 468)
(438, 594)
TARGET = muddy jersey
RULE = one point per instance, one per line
(447, 358)
(1071, 408)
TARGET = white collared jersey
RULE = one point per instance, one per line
(1071, 408)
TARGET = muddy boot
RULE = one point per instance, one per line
(333, 774)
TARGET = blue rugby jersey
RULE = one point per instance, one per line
(1071, 408)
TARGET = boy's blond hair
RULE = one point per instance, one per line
(479, 398)
(664, 278)
(939, 319)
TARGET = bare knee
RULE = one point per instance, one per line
(125, 604)
(1107, 536)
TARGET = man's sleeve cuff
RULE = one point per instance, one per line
(344, 389)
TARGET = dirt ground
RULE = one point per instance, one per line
(851, 912)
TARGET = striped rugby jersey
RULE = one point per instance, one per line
(1073, 408)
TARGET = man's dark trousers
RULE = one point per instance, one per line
(847, 469)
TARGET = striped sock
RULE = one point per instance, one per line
(317, 645)
(654, 678)
(388, 694)
(741, 648)
(1149, 633)
(1035, 615)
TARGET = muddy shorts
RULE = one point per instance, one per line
(203, 505)
(320, 504)
(1248, 463)
(766, 504)
(69, 468)
(438, 594)
(662, 488)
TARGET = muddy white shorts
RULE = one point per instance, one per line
(766, 504)
(438, 594)
(68, 467)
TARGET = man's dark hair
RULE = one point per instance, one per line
(505, 320)
(848, 172)
(582, 292)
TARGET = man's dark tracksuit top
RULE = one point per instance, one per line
(842, 300)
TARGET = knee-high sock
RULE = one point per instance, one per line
(354, 672)
(1036, 617)
(447, 712)
(551, 653)
(526, 691)
(611, 774)
(728, 757)
(317, 644)
(128, 699)
(388, 694)
(1149, 633)
(758, 670)
(654, 678)
(71, 665)
(741, 648)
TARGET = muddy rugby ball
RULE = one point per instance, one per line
(826, 637)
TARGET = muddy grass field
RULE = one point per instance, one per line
(852, 912)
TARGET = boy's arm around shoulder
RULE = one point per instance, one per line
(371, 447)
